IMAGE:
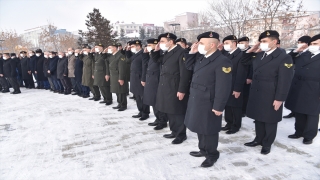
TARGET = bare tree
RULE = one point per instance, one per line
(12, 42)
(48, 39)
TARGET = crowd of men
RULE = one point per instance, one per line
(188, 86)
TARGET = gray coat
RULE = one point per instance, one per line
(71, 65)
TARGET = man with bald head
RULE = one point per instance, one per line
(208, 96)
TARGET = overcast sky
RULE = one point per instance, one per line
(71, 14)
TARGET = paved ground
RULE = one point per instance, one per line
(50, 136)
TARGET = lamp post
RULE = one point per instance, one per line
(174, 27)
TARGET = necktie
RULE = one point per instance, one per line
(264, 55)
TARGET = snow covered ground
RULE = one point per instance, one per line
(50, 136)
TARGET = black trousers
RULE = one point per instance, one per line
(306, 125)
(265, 133)
(4, 83)
(143, 109)
(66, 84)
(176, 123)
(246, 91)
(106, 93)
(122, 99)
(14, 83)
(233, 117)
(156, 112)
(208, 145)
(162, 117)
(74, 85)
(29, 83)
(95, 91)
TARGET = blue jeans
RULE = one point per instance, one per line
(57, 83)
(46, 84)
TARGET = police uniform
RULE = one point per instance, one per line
(303, 98)
(272, 75)
(233, 110)
(174, 78)
(207, 94)
(136, 87)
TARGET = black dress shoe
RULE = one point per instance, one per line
(144, 118)
(226, 128)
(265, 150)
(97, 99)
(289, 116)
(160, 126)
(92, 98)
(132, 98)
(179, 140)
(252, 144)
(294, 136)
(208, 162)
(117, 107)
(307, 141)
(169, 136)
(5, 91)
(85, 96)
(137, 116)
(244, 115)
(103, 102)
(196, 154)
(155, 123)
(231, 132)
(67, 93)
(122, 108)
(75, 93)
(108, 103)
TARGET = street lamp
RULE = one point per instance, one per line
(174, 27)
(1, 40)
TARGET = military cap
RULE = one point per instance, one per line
(209, 34)
(113, 44)
(38, 51)
(85, 46)
(269, 33)
(152, 41)
(12, 54)
(100, 44)
(230, 37)
(243, 39)
(23, 52)
(305, 39)
(314, 38)
(119, 44)
(167, 35)
(181, 40)
(135, 42)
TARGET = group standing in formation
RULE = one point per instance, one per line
(188, 86)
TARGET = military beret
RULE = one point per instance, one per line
(167, 35)
(12, 54)
(243, 39)
(305, 39)
(269, 33)
(230, 37)
(152, 41)
(100, 44)
(278, 41)
(181, 40)
(135, 42)
(209, 34)
(23, 52)
(38, 51)
(314, 38)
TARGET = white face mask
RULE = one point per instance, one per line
(227, 47)
(69, 52)
(314, 49)
(149, 49)
(163, 47)
(46, 56)
(38, 55)
(13, 57)
(201, 49)
(21, 55)
(241, 46)
(134, 50)
(264, 47)
(50, 56)
(60, 56)
(4, 58)
(85, 53)
(109, 51)
(97, 49)
(76, 54)
(30, 54)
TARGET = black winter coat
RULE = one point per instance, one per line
(136, 72)
(53, 64)
(9, 68)
(39, 68)
(32, 63)
(78, 70)
(62, 68)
